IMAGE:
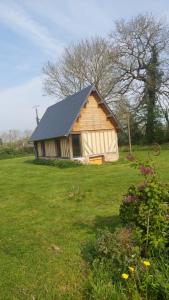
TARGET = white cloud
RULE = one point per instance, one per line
(17, 105)
(82, 18)
(79, 18)
(18, 20)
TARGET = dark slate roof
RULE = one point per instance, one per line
(59, 118)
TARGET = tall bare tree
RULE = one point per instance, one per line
(87, 62)
(141, 65)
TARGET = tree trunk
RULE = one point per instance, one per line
(151, 116)
(152, 84)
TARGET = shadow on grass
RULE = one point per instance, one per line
(110, 222)
(100, 223)
(29, 161)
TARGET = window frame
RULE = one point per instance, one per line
(80, 145)
(36, 150)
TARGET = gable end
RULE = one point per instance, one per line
(94, 115)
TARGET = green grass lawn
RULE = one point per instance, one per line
(47, 214)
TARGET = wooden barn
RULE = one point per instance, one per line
(81, 126)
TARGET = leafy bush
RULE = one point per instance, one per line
(60, 163)
(118, 273)
(125, 148)
(117, 247)
(146, 208)
(109, 258)
(126, 264)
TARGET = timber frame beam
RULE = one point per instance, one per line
(109, 116)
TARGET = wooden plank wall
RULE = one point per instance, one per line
(50, 148)
(99, 142)
(65, 149)
(39, 149)
(92, 117)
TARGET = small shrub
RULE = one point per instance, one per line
(75, 193)
(145, 208)
(114, 250)
(117, 244)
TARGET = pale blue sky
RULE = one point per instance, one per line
(35, 31)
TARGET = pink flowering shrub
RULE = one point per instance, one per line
(146, 209)
(132, 261)
(147, 170)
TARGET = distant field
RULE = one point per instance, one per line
(47, 214)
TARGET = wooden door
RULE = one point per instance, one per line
(36, 149)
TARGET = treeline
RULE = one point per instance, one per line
(14, 143)
(15, 136)
(13, 151)
(130, 70)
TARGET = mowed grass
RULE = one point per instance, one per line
(47, 214)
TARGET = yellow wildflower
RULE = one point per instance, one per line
(131, 269)
(125, 276)
(146, 263)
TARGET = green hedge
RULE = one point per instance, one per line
(145, 147)
(11, 152)
(60, 163)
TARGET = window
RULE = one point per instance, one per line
(58, 149)
(36, 149)
(76, 145)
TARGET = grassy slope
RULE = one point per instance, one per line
(37, 213)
